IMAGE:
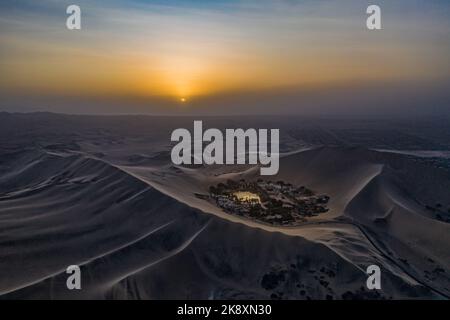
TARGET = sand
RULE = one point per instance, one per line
(105, 196)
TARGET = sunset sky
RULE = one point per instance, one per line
(219, 56)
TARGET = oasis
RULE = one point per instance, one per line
(234, 147)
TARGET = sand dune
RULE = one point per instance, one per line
(131, 220)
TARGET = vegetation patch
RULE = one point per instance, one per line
(275, 203)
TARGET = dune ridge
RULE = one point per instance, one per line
(138, 230)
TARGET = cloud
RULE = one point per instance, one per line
(214, 51)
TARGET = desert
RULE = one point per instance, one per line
(89, 191)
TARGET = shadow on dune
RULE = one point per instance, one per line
(139, 232)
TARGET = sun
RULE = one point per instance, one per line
(183, 100)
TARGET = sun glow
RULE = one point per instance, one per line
(177, 56)
(182, 75)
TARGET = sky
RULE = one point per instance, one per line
(225, 57)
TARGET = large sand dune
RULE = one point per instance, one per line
(131, 220)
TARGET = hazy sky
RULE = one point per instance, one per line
(256, 56)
